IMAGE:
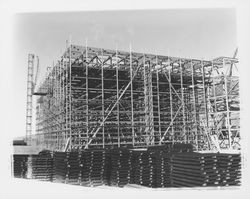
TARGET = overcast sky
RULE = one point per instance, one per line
(199, 33)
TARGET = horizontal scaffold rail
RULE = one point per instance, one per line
(98, 98)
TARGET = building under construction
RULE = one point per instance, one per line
(101, 99)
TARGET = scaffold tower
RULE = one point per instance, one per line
(101, 98)
(30, 81)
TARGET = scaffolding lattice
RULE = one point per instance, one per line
(29, 96)
(100, 98)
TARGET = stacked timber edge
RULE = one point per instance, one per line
(156, 167)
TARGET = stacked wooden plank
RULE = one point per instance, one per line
(61, 166)
(193, 169)
(169, 165)
(162, 154)
(229, 169)
(73, 167)
(84, 176)
(42, 167)
(121, 167)
(94, 167)
(20, 166)
(67, 167)
(203, 169)
(162, 169)
(180, 148)
(144, 170)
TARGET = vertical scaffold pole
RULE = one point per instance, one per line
(117, 96)
(183, 106)
(204, 93)
(145, 100)
(29, 96)
(194, 107)
(66, 94)
(227, 107)
(70, 97)
(131, 94)
(60, 104)
(64, 101)
(56, 107)
(171, 101)
(103, 111)
(158, 98)
(214, 96)
(87, 91)
(148, 102)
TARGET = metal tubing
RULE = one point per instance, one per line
(158, 99)
(183, 106)
(204, 93)
(70, 98)
(194, 107)
(103, 135)
(171, 103)
(94, 135)
(87, 93)
(228, 111)
(117, 97)
(131, 96)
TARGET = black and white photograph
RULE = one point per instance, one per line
(127, 101)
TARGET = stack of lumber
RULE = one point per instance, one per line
(42, 166)
(94, 167)
(20, 166)
(121, 167)
(144, 170)
(204, 169)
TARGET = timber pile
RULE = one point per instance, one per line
(61, 167)
(229, 168)
(169, 165)
(144, 170)
(204, 169)
(121, 167)
(20, 166)
(42, 166)
(94, 167)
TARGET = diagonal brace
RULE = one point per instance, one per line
(171, 123)
(94, 135)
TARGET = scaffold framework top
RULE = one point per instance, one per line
(100, 98)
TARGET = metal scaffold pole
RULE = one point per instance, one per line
(102, 98)
(70, 96)
(148, 102)
(228, 124)
(183, 104)
(117, 97)
(87, 90)
(30, 85)
(158, 98)
(103, 108)
(171, 102)
(194, 107)
(131, 95)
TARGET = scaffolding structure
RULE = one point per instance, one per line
(100, 98)
(29, 114)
